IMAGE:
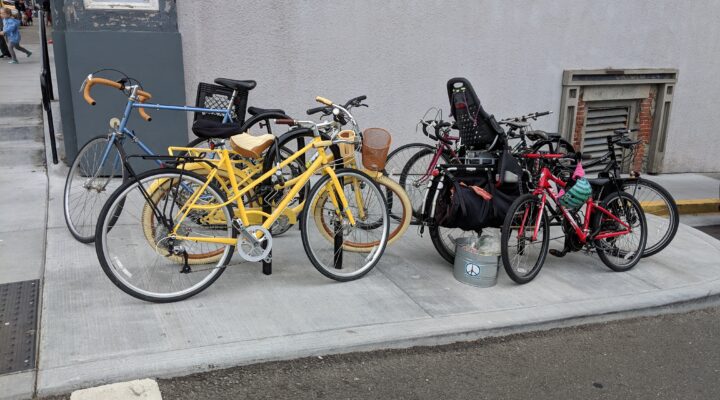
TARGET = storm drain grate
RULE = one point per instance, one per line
(18, 324)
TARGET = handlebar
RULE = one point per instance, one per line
(142, 96)
(328, 109)
(524, 118)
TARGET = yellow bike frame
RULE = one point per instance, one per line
(224, 163)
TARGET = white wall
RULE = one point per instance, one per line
(401, 53)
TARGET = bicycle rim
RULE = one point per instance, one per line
(89, 184)
(137, 251)
(660, 213)
(523, 254)
(337, 248)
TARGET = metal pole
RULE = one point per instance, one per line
(48, 110)
(45, 55)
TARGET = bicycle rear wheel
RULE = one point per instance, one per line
(660, 209)
(621, 253)
(135, 246)
(89, 183)
(398, 158)
(522, 256)
(349, 251)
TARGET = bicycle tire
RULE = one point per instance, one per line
(506, 232)
(72, 220)
(119, 273)
(398, 158)
(601, 246)
(397, 230)
(416, 188)
(374, 248)
(653, 246)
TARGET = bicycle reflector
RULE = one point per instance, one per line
(577, 195)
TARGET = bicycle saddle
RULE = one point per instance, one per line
(258, 110)
(251, 146)
(598, 181)
(209, 129)
(236, 85)
(536, 135)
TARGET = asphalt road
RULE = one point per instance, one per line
(666, 357)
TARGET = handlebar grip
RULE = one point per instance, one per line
(102, 81)
(540, 114)
(361, 98)
(285, 121)
(323, 101)
(315, 110)
(143, 98)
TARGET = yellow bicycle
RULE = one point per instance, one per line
(193, 219)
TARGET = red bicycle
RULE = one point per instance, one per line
(615, 229)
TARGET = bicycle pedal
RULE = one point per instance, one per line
(558, 253)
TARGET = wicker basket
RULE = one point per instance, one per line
(347, 151)
(375, 146)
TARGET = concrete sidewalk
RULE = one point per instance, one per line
(93, 333)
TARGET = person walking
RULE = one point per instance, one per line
(12, 34)
(4, 52)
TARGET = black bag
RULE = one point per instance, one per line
(458, 206)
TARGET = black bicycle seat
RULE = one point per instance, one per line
(236, 85)
(627, 143)
(536, 135)
(258, 110)
(598, 181)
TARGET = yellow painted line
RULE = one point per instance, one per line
(694, 206)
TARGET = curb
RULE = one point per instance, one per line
(694, 206)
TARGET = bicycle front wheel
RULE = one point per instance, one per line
(661, 213)
(135, 244)
(339, 249)
(522, 255)
(95, 173)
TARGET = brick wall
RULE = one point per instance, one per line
(644, 131)
(579, 122)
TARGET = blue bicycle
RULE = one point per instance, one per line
(98, 168)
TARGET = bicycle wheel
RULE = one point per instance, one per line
(522, 256)
(352, 250)
(661, 212)
(89, 183)
(399, 219)
(621, 253)
(151, 266)
(444, 240)
(398, 158)
(415, 177)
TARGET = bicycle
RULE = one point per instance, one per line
(604, 229)
(654, 199)
(200, 223)
(398, 202)
(99, 163)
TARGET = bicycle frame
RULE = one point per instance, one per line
(544, 189)
(122, 130)
(223, 162)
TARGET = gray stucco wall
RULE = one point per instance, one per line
(401, 53)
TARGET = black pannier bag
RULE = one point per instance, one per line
(458, 205)
(478, 129)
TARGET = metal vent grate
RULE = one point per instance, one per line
(600, 123)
